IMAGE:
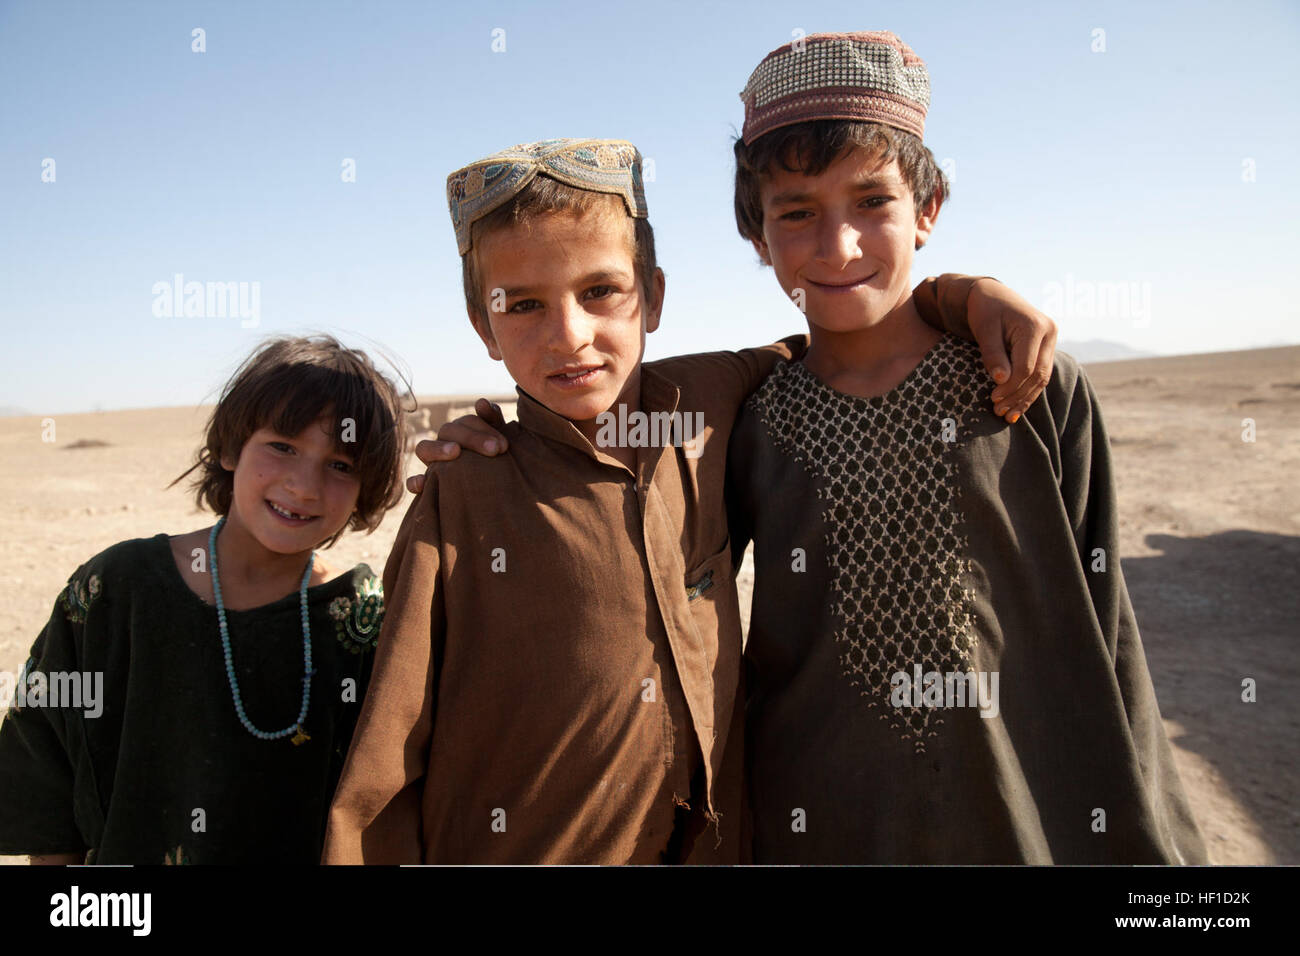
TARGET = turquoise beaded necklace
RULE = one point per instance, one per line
(299, 735)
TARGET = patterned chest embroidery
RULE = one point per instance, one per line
(885, 476)
(357, 620)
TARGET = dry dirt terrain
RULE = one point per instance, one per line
(1211, 539)
(1208, 448)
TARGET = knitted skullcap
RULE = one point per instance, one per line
(599, 165)
(872, 77)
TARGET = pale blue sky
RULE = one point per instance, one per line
(1164, 166)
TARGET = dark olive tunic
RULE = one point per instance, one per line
(166, 772)
(916, 534)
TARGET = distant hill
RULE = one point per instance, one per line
(1100, 350)
(12, 411)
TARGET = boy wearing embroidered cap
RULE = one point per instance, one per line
(547, 690)
(940, 556)
(561, 656)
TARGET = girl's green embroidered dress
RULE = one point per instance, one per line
(123, 739)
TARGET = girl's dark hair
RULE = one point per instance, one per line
(290, 383)
(810, 148)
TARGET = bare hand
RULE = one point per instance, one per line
(478, 432)
(1001, 320)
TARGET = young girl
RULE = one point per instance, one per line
(192, 698)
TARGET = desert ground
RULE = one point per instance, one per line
(1207, 449)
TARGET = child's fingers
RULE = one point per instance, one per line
(415, 484)
(490, 412)
(442, 450)
(993, 351)
(474, 433)
(1032, 369)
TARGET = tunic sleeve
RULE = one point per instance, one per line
(38, 742)
(731, 376)
(757, 363)
(376, 816)
(1088, 490)
(941, 302)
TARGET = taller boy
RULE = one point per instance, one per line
(944, 664)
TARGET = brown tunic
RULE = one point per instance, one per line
(562, 646)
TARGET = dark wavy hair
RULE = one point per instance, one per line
(810, 148)
(287, 384)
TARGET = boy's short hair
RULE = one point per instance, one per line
(813, 100)
(290, 383)
(545, 196)
(811, 147)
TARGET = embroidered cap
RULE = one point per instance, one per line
(873, 77)
(599, 165)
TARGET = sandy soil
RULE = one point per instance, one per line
(1211, 542)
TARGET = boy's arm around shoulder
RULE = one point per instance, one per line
(730, 377)
(1087, 479)
(1017, 342)
(713, 383)
(376, 816)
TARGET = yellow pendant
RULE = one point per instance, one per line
(300, 737)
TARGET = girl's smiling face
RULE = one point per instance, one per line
(292, 492)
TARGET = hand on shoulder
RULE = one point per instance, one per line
(480, 432)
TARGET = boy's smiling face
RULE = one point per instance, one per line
(845, 237)
(570, 317)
